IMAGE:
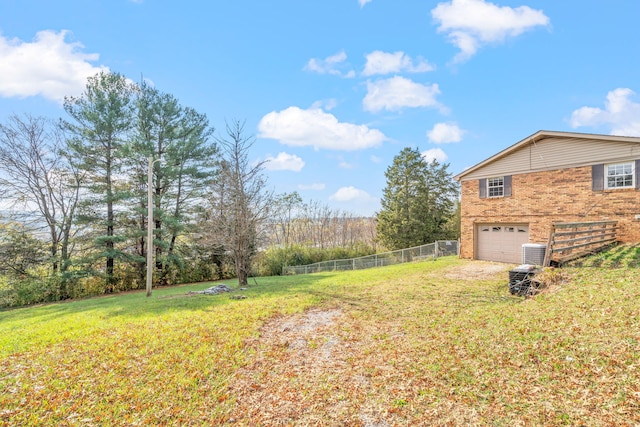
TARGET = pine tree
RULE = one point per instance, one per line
(417, 201)
(102, 122)
(180, 138)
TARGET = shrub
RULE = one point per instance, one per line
(201, 271)
(27, 291)
(7, 296)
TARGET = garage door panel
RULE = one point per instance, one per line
(501, 242)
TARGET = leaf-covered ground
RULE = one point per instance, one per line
(429, 343)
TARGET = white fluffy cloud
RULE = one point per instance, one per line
(443, 133)
(315, 128)
(397, 92)
(350, 194)
(363, 2)
(435, 154)
(620, 113)
(334, 65)
(284, 162)
(48, 66)
(355, 200)
(379, 62)
(469, 24)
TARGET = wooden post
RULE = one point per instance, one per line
(547, 253)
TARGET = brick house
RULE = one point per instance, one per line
(513, 197)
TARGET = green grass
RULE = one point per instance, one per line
(417, 344)
(618, 256)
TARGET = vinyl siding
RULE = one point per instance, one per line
(558, 153)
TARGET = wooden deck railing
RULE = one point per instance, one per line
(571, 240)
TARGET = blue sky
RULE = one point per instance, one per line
(334, 89)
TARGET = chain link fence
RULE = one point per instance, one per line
(431, 251)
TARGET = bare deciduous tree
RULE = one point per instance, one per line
(282, 224)
(37, 175)
(19, 250)
(315, 224)
(240, 201)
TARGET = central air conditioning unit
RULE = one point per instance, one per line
(533, 253)
(520, 280)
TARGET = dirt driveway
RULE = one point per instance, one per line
(324, 367)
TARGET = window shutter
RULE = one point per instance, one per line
(483, 188)
(597, 177)
(637, 174)
(507, 186)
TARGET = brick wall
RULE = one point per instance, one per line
(541, 198)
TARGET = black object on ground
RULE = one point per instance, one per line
(520, 280)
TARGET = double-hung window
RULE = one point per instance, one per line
(495, 187)
(620, 175)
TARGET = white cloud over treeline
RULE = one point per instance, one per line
(49, 66)
(284, 162)
(434, 154)
(350, 194)
(444, 133)
(316, 128)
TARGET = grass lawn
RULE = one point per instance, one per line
(429, 343)
(617, 256)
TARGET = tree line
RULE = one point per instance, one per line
(298, 222)
(73, 200)
(77, 190)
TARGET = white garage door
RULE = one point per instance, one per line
(501, 242)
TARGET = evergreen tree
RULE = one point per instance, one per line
(180, 138)
(102, 122)
(417, 201)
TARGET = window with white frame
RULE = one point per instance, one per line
(495, 187)
(620, 175)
